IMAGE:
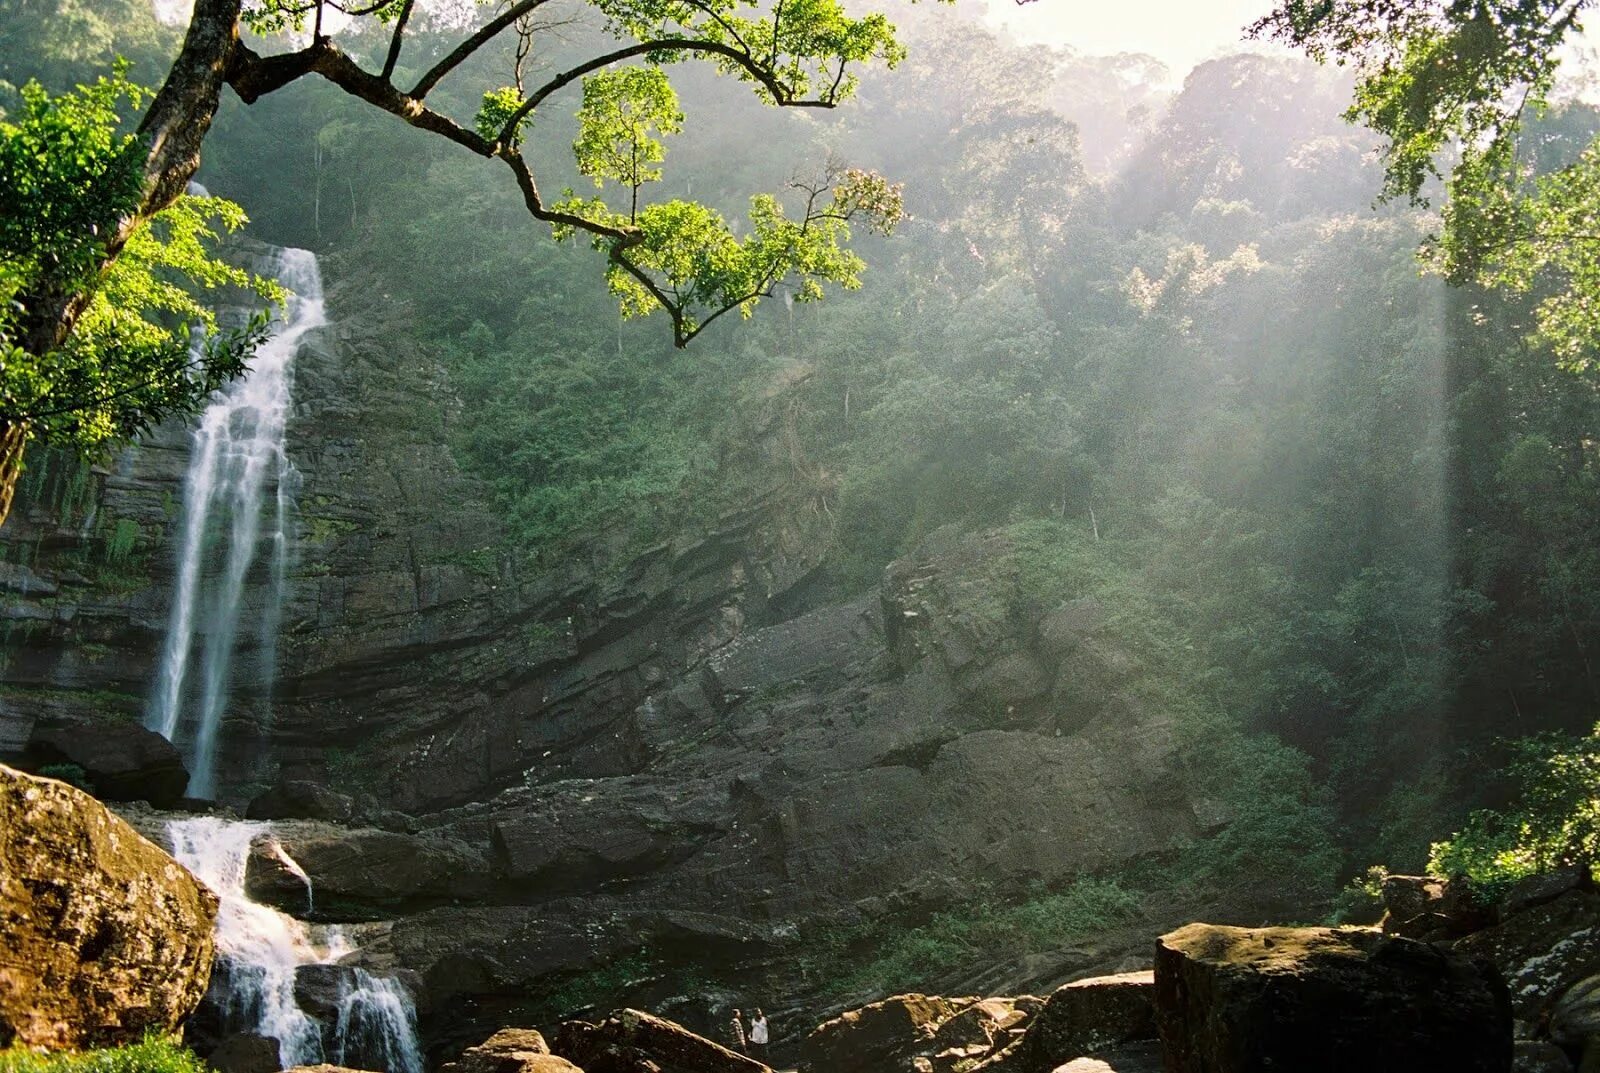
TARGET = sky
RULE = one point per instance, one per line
(1180, 33)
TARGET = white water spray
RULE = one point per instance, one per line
(263, 947)
(238, 458)
(259, 950)
(377, 1026)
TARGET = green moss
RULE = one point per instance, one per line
(154, 1055)
(108, 702)
(321, 529)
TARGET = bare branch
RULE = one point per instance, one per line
(397, 39)
(462, 52)
(780, 92)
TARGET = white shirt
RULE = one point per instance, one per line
(758, 1030)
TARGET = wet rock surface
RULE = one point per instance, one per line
(1541, 951)
(103, 936)
(1323, 999)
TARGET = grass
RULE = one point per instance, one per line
(153, 1055)
(976, 933)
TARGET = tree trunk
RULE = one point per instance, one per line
(13, 438)
(175, 126)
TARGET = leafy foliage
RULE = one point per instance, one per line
(131, 358)
(1553, 823)
(1441, 79)
(623, 109)
(980, 931)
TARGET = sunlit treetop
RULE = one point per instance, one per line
(679, 256)
(1452, 85)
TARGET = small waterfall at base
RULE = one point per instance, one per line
(377, 1021)
(259, 950)
(238, 456)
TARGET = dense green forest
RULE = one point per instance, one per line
(1340, 509)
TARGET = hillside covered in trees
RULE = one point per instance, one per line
(1144, 345)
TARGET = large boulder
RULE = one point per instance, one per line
(360, 873)
(103, 936)
(510, 1050)
(1128, 1058)
(917, 1034)
(245, 1052)
(1231, 1000)
(1086, 1017)
(632, 1040)
(1132, 1057)
(121, 760)
(1541, 951)
(1422, 907)
(880, 1036)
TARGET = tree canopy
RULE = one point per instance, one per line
(672, 254)
(1451, 85)
(142, 345)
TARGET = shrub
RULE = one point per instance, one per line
(71, 774)
(153, 1055)
(1554, 821)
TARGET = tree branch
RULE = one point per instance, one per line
(397, 40)
(462, 52)
(780, 92)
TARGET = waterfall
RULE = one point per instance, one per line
(377, 1026)
(263, 947)
(238, 460)
(260, 949)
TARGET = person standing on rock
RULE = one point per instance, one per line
(736, 1033)
(759, 1036)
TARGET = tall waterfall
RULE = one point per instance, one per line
(259, 951)
(238, 463)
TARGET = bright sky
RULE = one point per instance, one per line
(1180, 33)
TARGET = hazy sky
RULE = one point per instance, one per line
(1180, 33)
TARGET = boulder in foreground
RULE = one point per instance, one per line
(1325, 1000)
(103, 936)
(1085, 1017)
(877, 1036)
(632, 1040)
(510, 1050)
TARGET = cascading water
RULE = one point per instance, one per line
(377, 1026)
(238, 460)
(259, 950)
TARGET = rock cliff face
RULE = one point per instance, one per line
(682, 761)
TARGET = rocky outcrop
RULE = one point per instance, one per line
(103, 936)
(878, 1036)
(1086, 1017)
(119, 759)
(1542, 951)
(1230, 1000)
(915, 1034)
(632, 1041)
(510, 1050)
(361, 873)
(1424, 907)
